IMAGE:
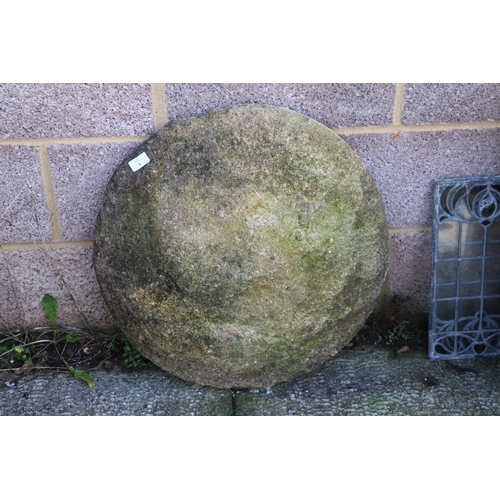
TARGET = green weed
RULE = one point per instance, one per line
(399, 332)
(132, 357)
(110, 345)
(389, 331)
(50, 306)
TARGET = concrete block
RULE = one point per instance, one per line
(451, 102)
(80, 174)
(405, 166)
(34, 275)
(33, 110)
(411, 270)
(23, 211)
(329, 103)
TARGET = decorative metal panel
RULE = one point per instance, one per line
(465, 274)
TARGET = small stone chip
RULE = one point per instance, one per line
(430, 381)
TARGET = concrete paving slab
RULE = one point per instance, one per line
(365, 381)
(376, 381)
(115, 393)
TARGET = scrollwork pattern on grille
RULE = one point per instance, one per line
(466, 216)
(481, 203)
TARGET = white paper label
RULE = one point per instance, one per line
(139, 162)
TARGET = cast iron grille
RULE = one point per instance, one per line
(465, 274)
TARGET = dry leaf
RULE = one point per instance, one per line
(24, 369)
(405, 348)
(107, 365)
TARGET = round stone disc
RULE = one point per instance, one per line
(249, 250)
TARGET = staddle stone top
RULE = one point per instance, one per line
(249, 250)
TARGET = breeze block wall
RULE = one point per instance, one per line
(60, 143)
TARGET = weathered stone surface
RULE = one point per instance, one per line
(248, 251)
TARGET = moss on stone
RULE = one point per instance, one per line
(251, 248)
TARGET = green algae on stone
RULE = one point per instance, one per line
(248, 251)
